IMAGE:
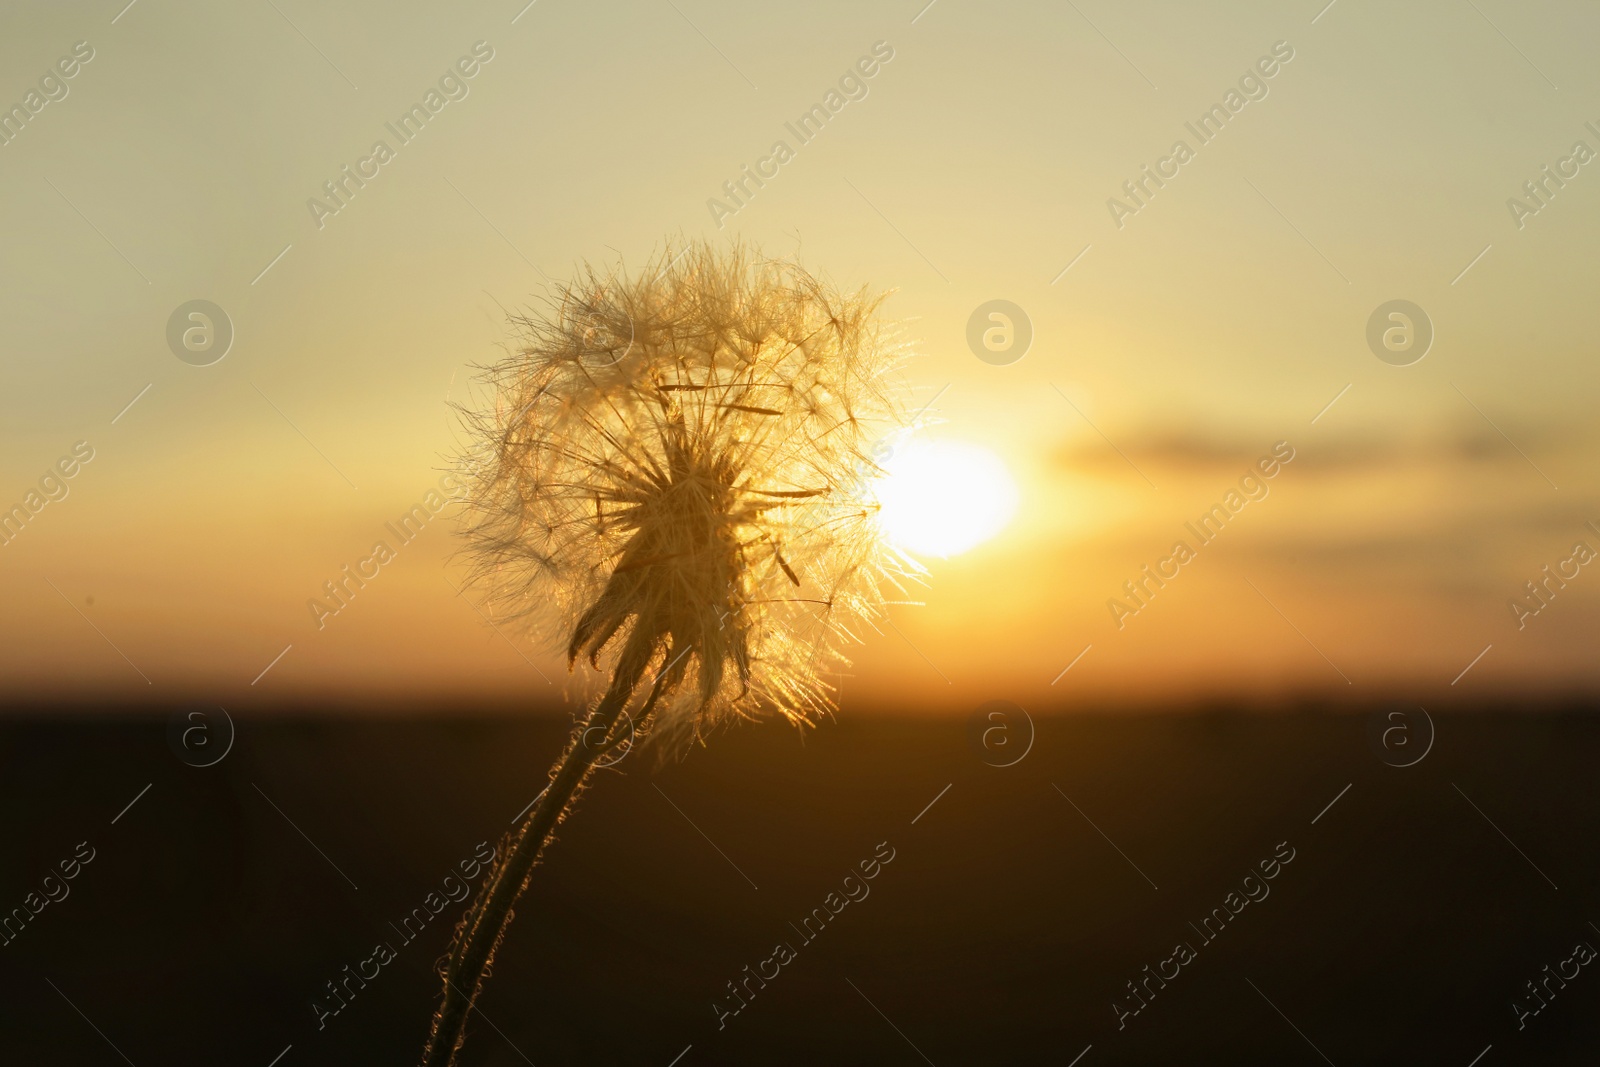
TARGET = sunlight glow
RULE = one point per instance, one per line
(942, 497)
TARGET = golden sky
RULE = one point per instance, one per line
(1195, 329)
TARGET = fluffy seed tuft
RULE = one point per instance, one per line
(687, 456)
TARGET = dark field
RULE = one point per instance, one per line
(1002, 930)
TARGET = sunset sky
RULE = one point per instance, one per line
(1173, 345)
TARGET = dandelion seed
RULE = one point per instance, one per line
(675, 476)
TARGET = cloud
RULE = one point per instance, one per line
(1196, 450)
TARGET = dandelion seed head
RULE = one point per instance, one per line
(686, 457)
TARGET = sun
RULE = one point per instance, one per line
(943, 497)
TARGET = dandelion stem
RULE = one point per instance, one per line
(674, 478)
(480, 932)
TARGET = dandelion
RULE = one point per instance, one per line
(675, 480)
